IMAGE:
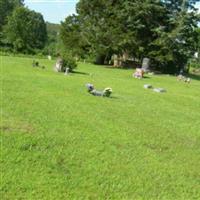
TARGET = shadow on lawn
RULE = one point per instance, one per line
(81, 73)
(146, 77)
(118, 68)
(194, 76)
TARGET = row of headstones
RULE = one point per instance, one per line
(145, 62)
(59, 65)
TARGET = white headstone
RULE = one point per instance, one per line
(146, 64)
(147, 86)
(67, 71)
(58, 66)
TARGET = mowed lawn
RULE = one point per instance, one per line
(60, 142)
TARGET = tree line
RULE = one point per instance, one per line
(21, 29)
(163, 30)
(166, 31)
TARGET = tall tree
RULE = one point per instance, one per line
(26, 30)
(198, 40)
(160, 29)
(71, 36)
(100, 27)
(197, 45)
(175, 42)
(138, 21)
(118, 26)
(6, 8)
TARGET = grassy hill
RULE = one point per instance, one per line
(59, 142)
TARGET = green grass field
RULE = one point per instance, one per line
(59, 142)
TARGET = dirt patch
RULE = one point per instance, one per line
(16, 126)
(5, 129)
(157, 147)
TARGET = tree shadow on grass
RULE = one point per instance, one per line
(118, 68)
(194, 76)
(81, 73)
(146, 77)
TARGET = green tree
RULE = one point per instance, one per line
(6, 8)
(198, 40)
(26, 30)
(72, 36)
(119, 26)
(163, 30)
(100, 27)
(175, 42)
(138, 21)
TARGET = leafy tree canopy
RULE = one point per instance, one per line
(163, 30)
(6, 8)
(26, 30)
(72, 36)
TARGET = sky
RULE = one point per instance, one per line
(55, 11)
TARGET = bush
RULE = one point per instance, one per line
(195, 64)
(68, 62)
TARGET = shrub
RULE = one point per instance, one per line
(68, 62)
(195, 64)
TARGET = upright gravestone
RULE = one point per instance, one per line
(59, 65)
(66, 71)
(115, 61)
(146, 64)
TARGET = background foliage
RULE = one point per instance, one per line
(164, 31)
(26, 30)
